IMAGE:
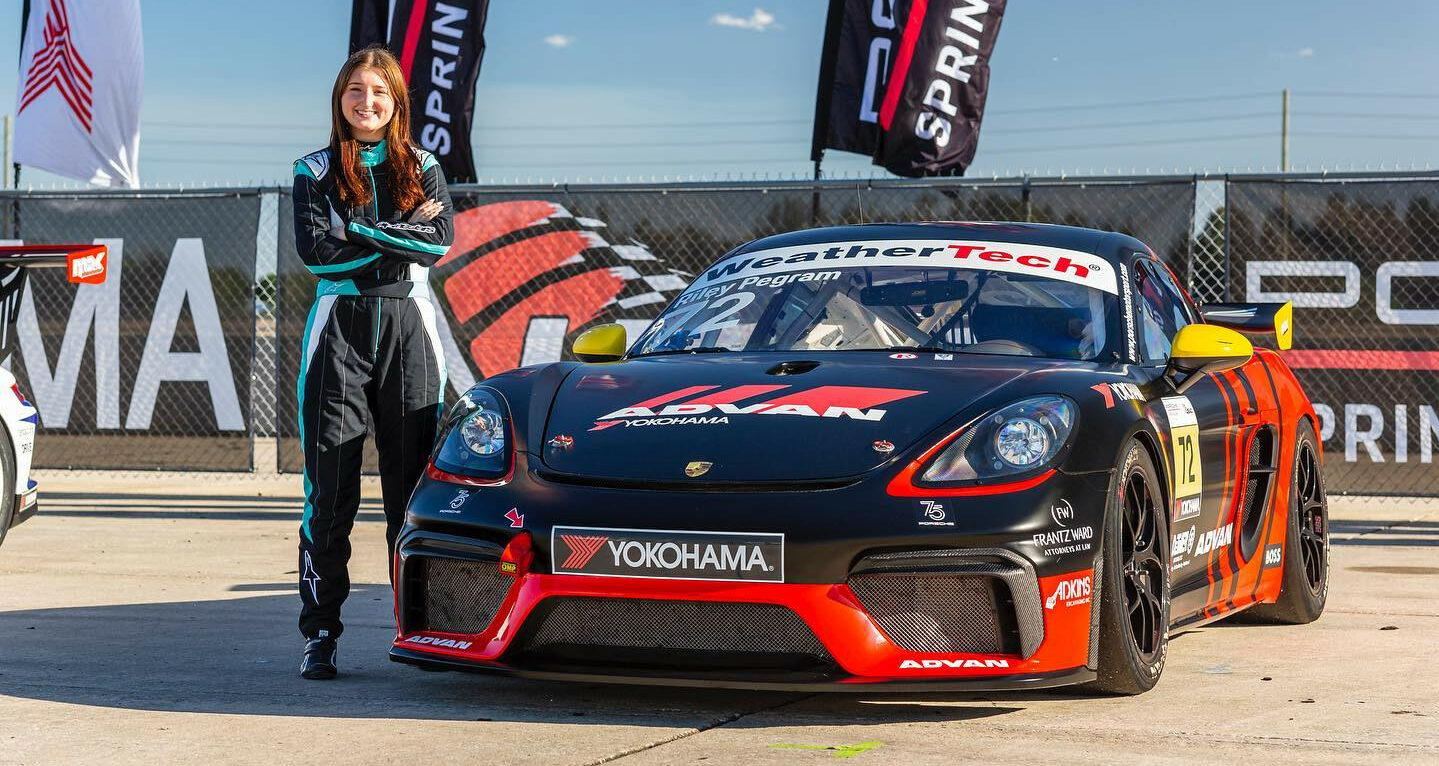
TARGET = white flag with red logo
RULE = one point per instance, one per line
(77, 112)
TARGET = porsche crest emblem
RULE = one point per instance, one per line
(697, 468)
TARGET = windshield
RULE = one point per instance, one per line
(778, 300)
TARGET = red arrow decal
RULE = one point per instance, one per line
(516, 518)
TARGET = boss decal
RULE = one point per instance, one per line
(1187, 471)
(1273, 556)
(668, 554)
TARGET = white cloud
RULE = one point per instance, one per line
(559, 41)
(1305, 53)
(759, 21)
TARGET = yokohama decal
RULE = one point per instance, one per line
(582, 549)
(669, 554)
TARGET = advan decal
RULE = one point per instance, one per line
(715, 405)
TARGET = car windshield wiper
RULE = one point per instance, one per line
(925, 349)
(698, 350)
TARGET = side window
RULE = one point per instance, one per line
(1161, 312)
(1185, 312)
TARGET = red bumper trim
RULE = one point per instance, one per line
(833, 612)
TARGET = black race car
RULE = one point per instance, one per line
(992, 455)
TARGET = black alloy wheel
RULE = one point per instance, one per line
(1313, 521)
(1305, 580)
(1143, 569)
(1132, 579)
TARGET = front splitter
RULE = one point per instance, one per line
(793, 682)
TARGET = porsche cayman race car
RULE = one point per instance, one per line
(18, 417)
(985, 455)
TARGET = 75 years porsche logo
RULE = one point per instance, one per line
(697, 468)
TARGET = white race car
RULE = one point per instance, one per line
(18, 417)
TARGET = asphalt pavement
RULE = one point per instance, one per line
(151, 619)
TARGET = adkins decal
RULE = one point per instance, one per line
(668, 555)
(1071, 592)
(704, 405)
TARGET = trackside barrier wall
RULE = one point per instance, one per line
(535, 265)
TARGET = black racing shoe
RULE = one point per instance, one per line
(319, 660)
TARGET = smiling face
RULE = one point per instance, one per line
(367, 104)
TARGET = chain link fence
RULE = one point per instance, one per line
(535, 265)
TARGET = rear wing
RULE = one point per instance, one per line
(84, 264)
(1275, 320)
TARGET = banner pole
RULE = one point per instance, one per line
(1284, 133)
(814, 193)
(5, 167)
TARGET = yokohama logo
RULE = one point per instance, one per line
(57, 64)
(677, 555)
(582, 549)
(856, 402)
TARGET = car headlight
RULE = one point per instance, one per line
(1020, 438)
(475, 438)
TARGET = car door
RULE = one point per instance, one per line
(1201, 426)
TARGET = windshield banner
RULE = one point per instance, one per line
(762, 267)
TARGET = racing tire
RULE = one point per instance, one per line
(1305, 584)
(7, 482)
(1134, 603)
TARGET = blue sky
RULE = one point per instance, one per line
(235, 91)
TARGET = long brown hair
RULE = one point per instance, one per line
(404, 166)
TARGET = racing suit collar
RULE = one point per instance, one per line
(372, 154)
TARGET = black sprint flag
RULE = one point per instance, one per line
(369, 23)
(439, 45)
(905, 81)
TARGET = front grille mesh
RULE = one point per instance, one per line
(462, 596)
(700, 626)
(940, 612)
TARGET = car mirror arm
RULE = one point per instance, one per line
(1182, 380)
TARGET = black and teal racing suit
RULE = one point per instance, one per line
(371, 355)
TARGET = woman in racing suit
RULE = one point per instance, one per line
(371, 215)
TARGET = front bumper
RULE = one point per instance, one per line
(907, 620)
(27, 503)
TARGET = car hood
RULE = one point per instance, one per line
(759, 417)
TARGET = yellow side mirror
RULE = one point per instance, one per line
(605, 343)
(1199, 349)
(1284, 326)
